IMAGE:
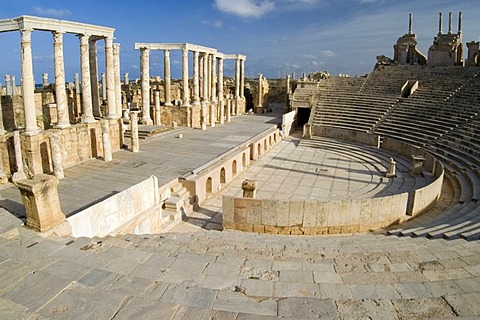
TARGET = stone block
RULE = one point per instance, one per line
(244, 227)
(271, 230)
(227, 209)
(295, 214)
(309, 213)
(268, 213)
(321, 214)
(282, 209)
(259, 228)
(42, 205)
(254, 214)
(228, 225)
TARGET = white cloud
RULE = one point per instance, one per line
(245, 8)
(216, 23)
(328, 53)
(51, 12)
(309, 56)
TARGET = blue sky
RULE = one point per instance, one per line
(277, 36)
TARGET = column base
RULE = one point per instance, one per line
(88, 119)
(32, 131)
(169, 104)
(196, 103)
(62, 125)
(147, 122)
(112, 117)
(186, 104)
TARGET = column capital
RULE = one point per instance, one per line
(84, 38)
(167, 52)
(116, 48)
(58, 36)
(26, 35)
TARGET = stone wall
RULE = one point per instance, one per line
(289, 122)
(311, 217)
(347, 135)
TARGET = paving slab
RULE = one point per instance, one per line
(307, 308)
(425, 308)
(366, 309)
(189, 296)
(466, 304)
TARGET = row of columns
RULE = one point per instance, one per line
(10, 85)
(205, 81)
(89, 80)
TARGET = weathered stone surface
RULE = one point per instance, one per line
(422, 308)
(305, 308)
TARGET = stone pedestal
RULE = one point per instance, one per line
(391, 169)
(42, 205)
(307, 131)
(417, 163)
(249, 188)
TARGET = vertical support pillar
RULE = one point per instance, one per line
(104, 87)
(17, 147)
(107, 146)
(28, 89)
(196, 91)
(45, 80)
(410, 23)
(220, 91)
(87, 107)
(237, 84)
(145, 78)
(186, 94)
(94, 77)
(449, 23)
(166, 69)
(14, 86)
(205, 78)
(2, 129)
(110, 71)
(135, 143)
(287, 95)
(60, 92)
(229, 110)
(157, 118)
(8, 85)
(260, 93)
(213, 76)
(460, 22)
(57, 159)
(117, 80)
(201, 76)
(440, 22)
(76, 82)
(242, 79)
(126, 80)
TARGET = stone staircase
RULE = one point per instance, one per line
(145, 132)
(176, 207)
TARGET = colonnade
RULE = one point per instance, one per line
(207, 83)
(88, 36)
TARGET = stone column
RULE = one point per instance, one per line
(260, 90)
(158, 114)
(460, 22)
(94, 77)
(242, 79)
(203, 115)
(201, 76)
(237, 84)
(107, 146)
(440, 15)
(76, 82)
(126, 80)
(135, 147)
(3, 174)
(8, 85)
(410, 20)
(145, 77)
(14, 86)
(57, 159)
(110, 71)
(60, 92)
(42, 205)
(17, 147)
(196, 94)
(2, 128)
(213, 76)
(186, 94)
(287, 96)
(117, 80)
(209, 78)
(45, 79)
(449, 23)
(87, 107)
(220, 91)
(28, 88)
(205, 79)
(229, 110)
(104, 87)
(166, 69)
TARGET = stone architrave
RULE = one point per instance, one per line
(42, 205)
(221, 103)
(135, 141)
(92, 47)
(145, 78)
(107, 146)
(186, 94)
(391, 169)
(57, 158)
(28, 88)
(166, 61)
(60, 91)
(87, 105)
(249, 188)
(20, 174)
(196, 86)
(117, 80)
(158, 114)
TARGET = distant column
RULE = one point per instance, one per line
(45, 79)
(440, 15)
(186, 94)
(158, 114)
(237, 85)
(242, 78)
(103, 78)
(109, 70)
(87, 107)
(410, 23)
(14, 86)
(229, 110)
(449, 23)
(135, 142)
(196, 91)
(166, 69)
(220, 91)
(60, 91)
(460, 22)
(260, 89)
(201, 76)
(213, 77)
(287, 96)
(126, 81)
(107, 146)
(57, 159)
(117, 80)
(2, 130)
(94, 77)
(145, 77)
(28, 89)
(8, 85)
(205, 78)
